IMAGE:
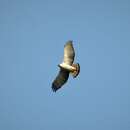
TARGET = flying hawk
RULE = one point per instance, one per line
(66, 67)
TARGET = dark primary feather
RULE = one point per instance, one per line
(60, 80)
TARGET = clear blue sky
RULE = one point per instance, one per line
(32, 36)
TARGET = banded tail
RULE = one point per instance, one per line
(76, 72)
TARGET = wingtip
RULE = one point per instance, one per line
(54, 88)
(69, 42)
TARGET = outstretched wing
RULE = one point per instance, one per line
(69, 53)
(60, 80)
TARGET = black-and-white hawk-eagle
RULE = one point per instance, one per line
(66, 67)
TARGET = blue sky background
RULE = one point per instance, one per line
(32, 36)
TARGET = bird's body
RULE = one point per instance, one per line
(66, 67)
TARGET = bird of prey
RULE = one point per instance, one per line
(66, 67)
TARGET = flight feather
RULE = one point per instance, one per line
(69, 53)
(60, 80)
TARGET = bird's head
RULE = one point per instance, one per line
(59, 65)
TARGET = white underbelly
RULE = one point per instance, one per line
(68, 67)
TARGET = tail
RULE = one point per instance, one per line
(76, 72)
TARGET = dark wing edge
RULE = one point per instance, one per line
(69, 53)
(60, 80)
